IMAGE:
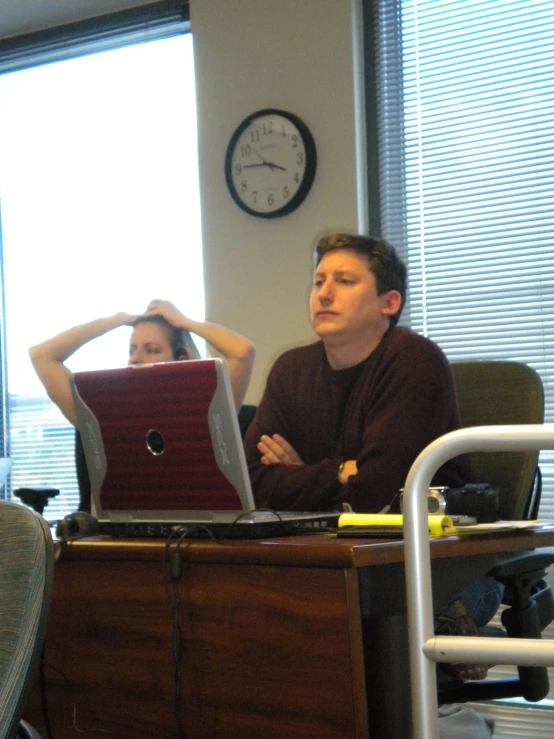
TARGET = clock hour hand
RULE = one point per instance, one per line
(264, 162)
(271, 166)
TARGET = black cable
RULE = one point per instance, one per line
(73, 701)
(175, 561)
(244, 514)
(165, 556)
(176, 572)
(177, 655)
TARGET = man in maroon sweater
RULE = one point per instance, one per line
(342, 420)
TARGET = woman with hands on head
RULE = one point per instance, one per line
(161, 334)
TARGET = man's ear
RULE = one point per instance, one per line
(392, 303)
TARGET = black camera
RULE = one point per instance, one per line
(474, 499)
(477, 500)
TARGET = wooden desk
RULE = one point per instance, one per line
(276, 636)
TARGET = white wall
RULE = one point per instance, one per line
(295, 55)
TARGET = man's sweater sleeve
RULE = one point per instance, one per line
(414, 403)
(302, 488)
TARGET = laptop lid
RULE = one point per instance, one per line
(162, 443)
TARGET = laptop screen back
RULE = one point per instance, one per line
(161, 441)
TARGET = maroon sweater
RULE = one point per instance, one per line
(381, 413)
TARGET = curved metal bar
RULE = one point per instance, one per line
(417, 551)
(491, 649)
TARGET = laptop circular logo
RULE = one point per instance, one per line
(155, 442)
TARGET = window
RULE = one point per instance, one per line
(466, 171)
(100, 213)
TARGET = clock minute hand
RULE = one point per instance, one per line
(257, 153)
(265, 163)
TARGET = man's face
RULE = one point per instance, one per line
(344, 301)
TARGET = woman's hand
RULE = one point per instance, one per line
(170, 312)
(125, 319)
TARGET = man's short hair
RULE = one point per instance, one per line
(383, 261)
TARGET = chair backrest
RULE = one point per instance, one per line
(26, 578)
(246, 416)
(501, 392)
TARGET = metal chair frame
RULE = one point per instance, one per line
(425, 648)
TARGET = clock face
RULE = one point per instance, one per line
(270, 163)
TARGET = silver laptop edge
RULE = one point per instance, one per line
(224, 431)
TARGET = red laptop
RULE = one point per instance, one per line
(164, 451)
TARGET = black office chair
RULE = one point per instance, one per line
(492, 393)
(246, 416)
(502, 392)
(26, 579)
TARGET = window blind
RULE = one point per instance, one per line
(465, 161)
(467, 168)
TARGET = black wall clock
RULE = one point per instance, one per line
(270, 163)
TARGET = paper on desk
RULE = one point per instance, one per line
(499, 526)
(392, 523)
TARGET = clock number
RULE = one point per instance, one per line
(238, 169)
(254, 136)
(299, 157)
(286, 193)
(255, 196)
(296, 178)
(270, 199)
(243, 186)
(268, 128)
(294, 141)
(245, 151)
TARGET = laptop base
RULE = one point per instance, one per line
(241, 529)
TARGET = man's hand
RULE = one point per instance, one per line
(276, 450)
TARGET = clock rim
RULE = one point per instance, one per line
(309, 171)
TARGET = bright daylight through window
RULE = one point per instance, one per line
(100, 213)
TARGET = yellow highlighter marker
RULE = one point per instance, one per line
(438, 525)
